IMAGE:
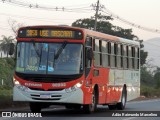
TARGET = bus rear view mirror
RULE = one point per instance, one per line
(89, 54)
(11, 48)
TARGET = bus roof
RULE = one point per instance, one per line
(88, 32)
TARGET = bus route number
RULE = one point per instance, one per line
(32, 33)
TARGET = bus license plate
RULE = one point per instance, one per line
(45, 96)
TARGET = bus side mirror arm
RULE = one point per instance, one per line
(11, 48)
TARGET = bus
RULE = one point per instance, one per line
(75, 67)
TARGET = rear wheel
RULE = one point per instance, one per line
(122, 104)
(35, 107)
(91, 107)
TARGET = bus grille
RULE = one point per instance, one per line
(52, 97)
(39, 89)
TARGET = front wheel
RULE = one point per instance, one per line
(91, 107)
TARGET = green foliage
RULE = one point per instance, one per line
(147, 77)
(149, 91)
(150, 85)
(143, 56)
(157, 77)
(6, 71)
(4, 46)
(104, 26)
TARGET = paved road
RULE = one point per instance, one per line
(60, 113)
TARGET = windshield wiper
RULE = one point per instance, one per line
(56, 56)
(37, 52)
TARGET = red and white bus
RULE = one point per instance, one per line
(75, 67)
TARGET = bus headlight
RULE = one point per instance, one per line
(74, 88)
(15, 82)
(23, 88)
(19, 86)
(78, 85)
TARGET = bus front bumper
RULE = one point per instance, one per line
(62, 96)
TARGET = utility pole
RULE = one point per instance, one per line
(98, 7)
(96, 15)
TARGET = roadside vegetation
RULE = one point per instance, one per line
(6, 75)
(150, 81)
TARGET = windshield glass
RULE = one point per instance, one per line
(39, 58)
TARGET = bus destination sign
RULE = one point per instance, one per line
(50, 33)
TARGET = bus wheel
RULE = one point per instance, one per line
(35, 107)
(122, 104)
(91, 107)
(77, 107)
(68, 106)
(112, 107)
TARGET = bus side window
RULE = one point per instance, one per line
(97, 53)
(138, 60)
(115, 53)
(122, 54)
(125, 56)
(133, 57)
(127, 51)
(112, 56)
(109, 53)
(88, 46)
(130, 57)
(89, 42)
(104, 54)
(119, 60)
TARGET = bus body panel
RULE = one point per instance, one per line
(119, 78)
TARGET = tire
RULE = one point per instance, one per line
(77, 107)
(91, 107)
(35, 107)
(122, 104)
(68, 106)
(112, 107)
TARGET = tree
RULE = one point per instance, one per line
(104, 26)
(4, 46)
(157, 77)
(14, 25)
(143, 54)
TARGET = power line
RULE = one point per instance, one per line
(85, 9)
(108, 12)
(31, 18)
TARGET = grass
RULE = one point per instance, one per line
(6, 99)
(148, 91)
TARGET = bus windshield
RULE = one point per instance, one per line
(49, 58)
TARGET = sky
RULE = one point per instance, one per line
(141, 12)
